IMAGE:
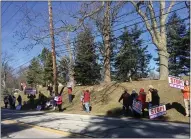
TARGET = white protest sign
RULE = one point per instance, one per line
(157, 111)
(137, 106)
(175, 82)
(18, 107)
(30, 91)
(38, 107)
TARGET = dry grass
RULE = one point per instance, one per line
(104, 98)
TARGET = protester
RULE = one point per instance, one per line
(87, 100)
(14, 101)
(186, 96)
(50, 89)
(126, 97)
(142, 99)
(59, 102)
(42, 100)
(6, 101)
(70, 94)
(31, 98)
(133, 96)
(154, 96)
(10, 102)
(21, 86)
(19, 99)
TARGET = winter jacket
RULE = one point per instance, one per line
(186, 92)
(126, 98)
(148, 97)
(155, 97)
(142, 99)
(59, 100)
(86, 97)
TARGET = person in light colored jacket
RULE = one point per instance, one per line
(186, 96)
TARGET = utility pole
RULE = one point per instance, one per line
(53, 47)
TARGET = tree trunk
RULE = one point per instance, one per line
(107, 72)
(53, 47)
(163, 55)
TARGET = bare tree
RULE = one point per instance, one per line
(157, 30)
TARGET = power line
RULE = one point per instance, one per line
(13, 15)
(129, 25)
(132, 25)
(7, 8)
(20, 21)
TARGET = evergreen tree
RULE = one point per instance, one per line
(46, 62)
(132, 59)
(63, 70)
(178, 46)
(86, 69)
(34, 73)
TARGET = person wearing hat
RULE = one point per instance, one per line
(155, 99)
(126, 97)
(186, 96)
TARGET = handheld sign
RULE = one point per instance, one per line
(39, 107)
(157, 111)
(176, 82)
(30, 91)
(137, 106)
(18, 107)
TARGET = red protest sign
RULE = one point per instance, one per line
(157, 111)
(176, 82)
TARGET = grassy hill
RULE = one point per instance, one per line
(104, 98)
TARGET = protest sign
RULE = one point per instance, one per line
(39, 107)
(157, 111)
(176, 82)
(137, 106)
(56, 98)
(18, 107)
(30, 91)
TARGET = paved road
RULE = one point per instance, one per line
(40, 124)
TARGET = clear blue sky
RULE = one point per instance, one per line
(11, 25)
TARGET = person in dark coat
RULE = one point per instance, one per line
(125, 96)
(6, 101)
(31, 98)
(14, 102)
(19, 99)
(155, 97)
(10, 101)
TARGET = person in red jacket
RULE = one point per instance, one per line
(86, 100)
(186, 96)
(59, 102)
(142, 98)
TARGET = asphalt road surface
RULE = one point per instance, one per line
(35, 124)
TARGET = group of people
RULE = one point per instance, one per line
(146, 99)
(11, 101)
(151, 99)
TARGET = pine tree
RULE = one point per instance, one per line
(132, 59)
(86, 69)
(63, 70)
(34, 73)
(46, 62)
(178, 46)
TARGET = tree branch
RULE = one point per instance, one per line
(153, 20)
(145, 19)
(169, 8)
